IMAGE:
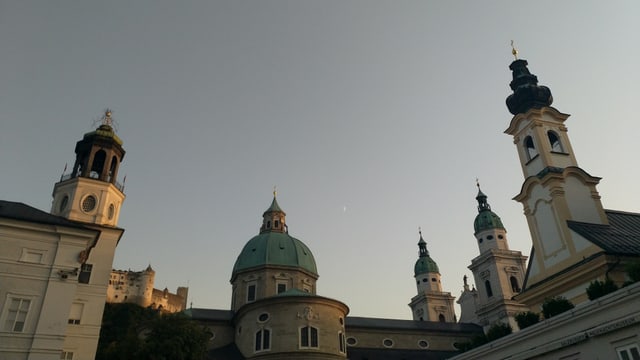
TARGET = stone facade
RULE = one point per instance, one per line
(136, 287)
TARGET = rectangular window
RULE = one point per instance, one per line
(85, 273)
(341, 342)
(308, 337)
(263, 340)
(17, 314)
(251, 293)
(66, 355)
(76, 313)
(629, 352)
(282, 287)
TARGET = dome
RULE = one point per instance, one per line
(278, 249)
(487, 220)
(425, 265)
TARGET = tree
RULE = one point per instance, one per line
(633, 270)
(555, 305)
(498, 330)
(599, 288)
(132, 332)
(526, 319)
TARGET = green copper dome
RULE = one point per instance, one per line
(486, 219)
(275, 248)
(425, 263)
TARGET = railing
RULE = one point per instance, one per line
(93, 175)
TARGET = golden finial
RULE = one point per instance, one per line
(514, 51)
(106, 119)
(275, 192)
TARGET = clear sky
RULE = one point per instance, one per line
(372, 118)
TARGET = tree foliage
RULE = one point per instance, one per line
(555, 305)
(498, 330)
(599, 288)
(526, 319)
(633, 270)
(132, 332)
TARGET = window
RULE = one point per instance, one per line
(66, 355)
(628, 352)
(351, 341)
(85, 273)
(487, 286)
(514, 284)
(341, 343)
(263, 340)
(530, 148)
(17, 314)
(308, 337)
(282, 287)
(554, 140)
(441, 318)
(76, 313)
(263, 317)
(251, 293)
(387, 343)
(423, 344)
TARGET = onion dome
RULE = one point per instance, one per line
(274, 246)
(527, 94)
(486, 219)
(425, 263)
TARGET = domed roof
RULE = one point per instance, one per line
(274, 245)
(275, 248)
(425, 263)
(486, 219)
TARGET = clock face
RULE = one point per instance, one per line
(89, 203)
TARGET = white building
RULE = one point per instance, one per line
(54, 268)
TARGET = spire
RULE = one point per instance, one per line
(422, 245)
(273, 219)
(527, 94)
(483, 205)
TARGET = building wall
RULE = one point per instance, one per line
(136, 287)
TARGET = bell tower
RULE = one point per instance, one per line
(91, 192)
(555, 190)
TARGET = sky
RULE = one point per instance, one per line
(372, 118)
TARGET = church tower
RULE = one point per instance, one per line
(555, 190)
(498, 271)
(91, 193)
(431, 303)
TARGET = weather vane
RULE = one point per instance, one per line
(478, 183)
(514, 51)
(106, 119)
(275, 191)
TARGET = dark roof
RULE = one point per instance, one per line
(363, 322)
(20, 211)
(209, 314)
(620, 237)
(229, 352)
(398, 354)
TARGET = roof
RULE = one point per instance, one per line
(399, 354)
(20, 211)
(395, 324)
(620, 237)
(228, 352)
(209, 314)
(425, 265)
(275, 248)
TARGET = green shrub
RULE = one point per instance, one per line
(599, 288)
(498, 330)
(555, 305)
(527, 318)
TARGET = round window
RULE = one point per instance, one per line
(89, 203)
(500, 237)
(387, 342)
(351, 341)
(423, 344)
(63, 203)
(112, 211)
(489, 237)
(263, 317)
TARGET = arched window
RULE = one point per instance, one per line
(554, 140)
(112, 169)
(263, 340)
(441, 318)
(530, 148)
(98, 164)
(514, 284)
(308, 337)
(341, 342)
(487, 285)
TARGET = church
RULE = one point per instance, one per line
(56, 268)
